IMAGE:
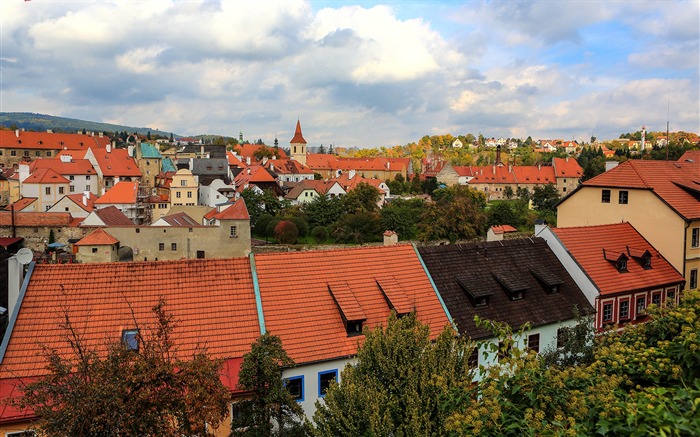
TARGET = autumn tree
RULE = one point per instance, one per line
(456, 214)
(138, 387)
(286, 232)
(270, 409)
(397, 383)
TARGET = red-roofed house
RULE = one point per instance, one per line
(17, 145)
(127, 293)
(46, 185)
(496, 232)
(319, 309)
(80, 172)
(349, 181)
(309, 190)
(617, 269)
(97, 246)
(661, 199)
(112, 166)
(124, 196)
(78, 205)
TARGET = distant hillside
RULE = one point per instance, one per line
(41, 122)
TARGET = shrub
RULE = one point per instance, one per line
(286, 232)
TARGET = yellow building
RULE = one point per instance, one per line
(184, 188)
(660, 199)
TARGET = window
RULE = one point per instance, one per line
(71, 188)
(607, 312)
(295, 387)
(183, 183)
(624, 309)
(130, 339)
(71, 178)
(670, 297)
(623, 197)
(533, 342)
(656, 298)
(173, 246)
(178, 195)
(13, 153)
(161, 246)
(641, 305)
(189, 194)
(36, 153)
(48, 153)
(87, 178)
(26, 153)
(87, 187)
(622, 265)
(695, 239)
(233, 232)
(353, 327)
(200, 254)
(60, 190)
(325, 379)
(48, 190)
(94, 250)
(605, 196)
(693, 279)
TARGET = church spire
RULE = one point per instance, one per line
(298, 146)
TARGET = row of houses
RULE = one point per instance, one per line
(320, 302)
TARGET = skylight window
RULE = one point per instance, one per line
(130, 339)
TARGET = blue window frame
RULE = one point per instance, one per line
(130, 338)
(295, 386)
(324, 380)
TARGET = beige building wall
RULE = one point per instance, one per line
(662, 227)
(150, 167)
(151, 243)
(97, 254)
(692, 254)
(184, 188)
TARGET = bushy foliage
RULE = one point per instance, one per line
(358, 228)
(286, 232)
(456, 214)
(148, 392)
(323, 211)
(319, 233)
(397, 384)
(363, 198)
(402, 216)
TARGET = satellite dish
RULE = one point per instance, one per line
(25, 256)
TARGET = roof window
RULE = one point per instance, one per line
(350, 310)
(642, 256)
(548, 279)
(514, 288)
(130, 339)
(617, 258)
(478, 296)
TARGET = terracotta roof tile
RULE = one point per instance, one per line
(299, 308)
(588, 243)
(237, 211)
(74, 167)
(117, 162)
(38, 219)
(124, 192)
(98, 237)
(49, 141)
(45, 176)
(89, 204)
(21, 204)
(111, 216)
(100, 299)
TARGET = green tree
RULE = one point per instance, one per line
(397, 384)
(508, 192)
(505, 213)
(147, 391)
(360, 227)
(363, 198)
(323, 211)
(545, 197)
(322, 150)
(270, 409)
(456, 214)
(402, 216)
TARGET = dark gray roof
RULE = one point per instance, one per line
(498, 271)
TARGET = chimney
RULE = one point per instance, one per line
(609, 165)
(248, 169)
(130, 150)
(17, 133)
(390, 238)
(23, 171)
(101, 134)
(247, 160)
(264, 160)
(510, 168)
(272, 167)
(566, 159)
(109, 147)
(539, 166)
(351, 174)
(15, 271)
(498, 154)
(49, 131)
(201, 150)
(85, 198)
(388, 165)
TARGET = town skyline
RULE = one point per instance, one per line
(364, 74)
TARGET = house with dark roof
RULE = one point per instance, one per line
(617, 269)
(661, 199)
(515, 282)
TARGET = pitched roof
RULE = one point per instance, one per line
(149, 151)
(690, 155)
(488, 269)
(50, 141)
(298, 138)
(676, 183)
(248, 151)
(253, 174)
(98, 237)
(117, 162)
(321, 161)
(236, 211)
(321, 187)
(111, 216)
(73, 167)
(180, 219)
(566, 167)
(123, 192)
(89, 204)
(502, 229)
(591, 245)
(21, 204)
(46, 176)
(517, 174)
(101, 297)
(166, 165)
(38, 219)
(298, 289)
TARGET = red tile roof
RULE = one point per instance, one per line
(298, 138)
(180, 219)
(590, 245)
(234, 161)
(321, 187)
(49, 141)
(518, 174)
(566, 167)
(676, 183)
(98, 237)
(116, 163)
(124, 192)
(111, 216)
(237, 211)
(38, 219)
(45, 176)
(89, 204)
(501, 229)
(21, 204)
(100, 299)
(466, 170)
(692, 155)
(321, 161)
(299, 307)
(258, 174)
(74, 167)
(248, 151)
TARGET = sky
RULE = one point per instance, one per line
(357, 73)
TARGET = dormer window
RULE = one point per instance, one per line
(622, 265)
(643, 257)
(350, 310)
(617, 258)
(550, 281)
(478, 296)
(513, 287)
(130, 339)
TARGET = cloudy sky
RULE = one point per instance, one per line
(357, 73)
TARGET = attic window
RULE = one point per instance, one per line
(478, 296)
(130, 339)
(514, 288)
(549, 280)
(643, 257)
(619, 259)
(350, 310)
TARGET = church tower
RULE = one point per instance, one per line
(297, 147)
